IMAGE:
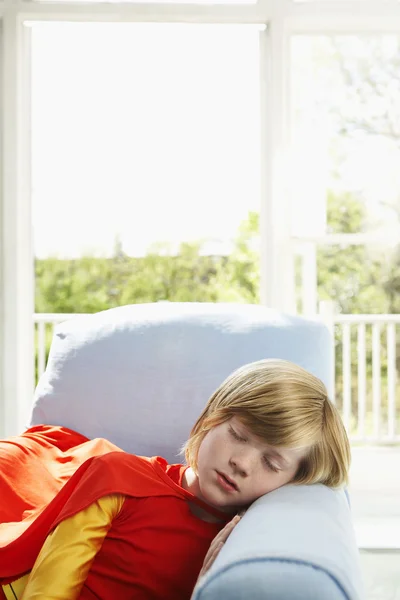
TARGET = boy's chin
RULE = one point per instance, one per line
(221, 504)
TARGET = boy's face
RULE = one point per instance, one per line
(235, 467)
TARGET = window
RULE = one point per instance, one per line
(145, 136)
(346, 152)
(346, 115)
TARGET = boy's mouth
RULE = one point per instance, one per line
(227, 482)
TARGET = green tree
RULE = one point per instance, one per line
(237, 278)
(351, 275)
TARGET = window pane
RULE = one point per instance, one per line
(346, 115)
(145, 134)
(358, 279)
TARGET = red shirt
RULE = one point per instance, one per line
(155, 547)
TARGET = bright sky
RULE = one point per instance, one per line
(151, 132)
(145, 131)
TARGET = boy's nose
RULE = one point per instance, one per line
(242, 463)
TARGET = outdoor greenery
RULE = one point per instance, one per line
(92, 284)
(358, 279)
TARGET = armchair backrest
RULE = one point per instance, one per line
(140, 375)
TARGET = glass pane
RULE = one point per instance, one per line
(359, 279)
(346, 118)
(145, 164)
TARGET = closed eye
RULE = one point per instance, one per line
(270, 465)
(235, 435)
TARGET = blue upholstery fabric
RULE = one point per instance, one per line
(271, 579)
(140, 375)
(295, 543)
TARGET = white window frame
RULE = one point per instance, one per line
(16, 272)
(282, 19)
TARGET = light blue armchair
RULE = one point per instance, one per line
(140, 375)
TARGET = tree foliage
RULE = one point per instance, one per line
(89, 284)
(357, 278)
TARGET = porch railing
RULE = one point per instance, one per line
(366, 366)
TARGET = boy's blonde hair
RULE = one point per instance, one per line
(285, 406)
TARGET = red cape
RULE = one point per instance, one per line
(50, 473)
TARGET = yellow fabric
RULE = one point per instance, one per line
(64, 561)
(14, 590)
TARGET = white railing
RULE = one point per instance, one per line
(366, 387)
(366, 346)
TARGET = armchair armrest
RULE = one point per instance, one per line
(296, 543)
